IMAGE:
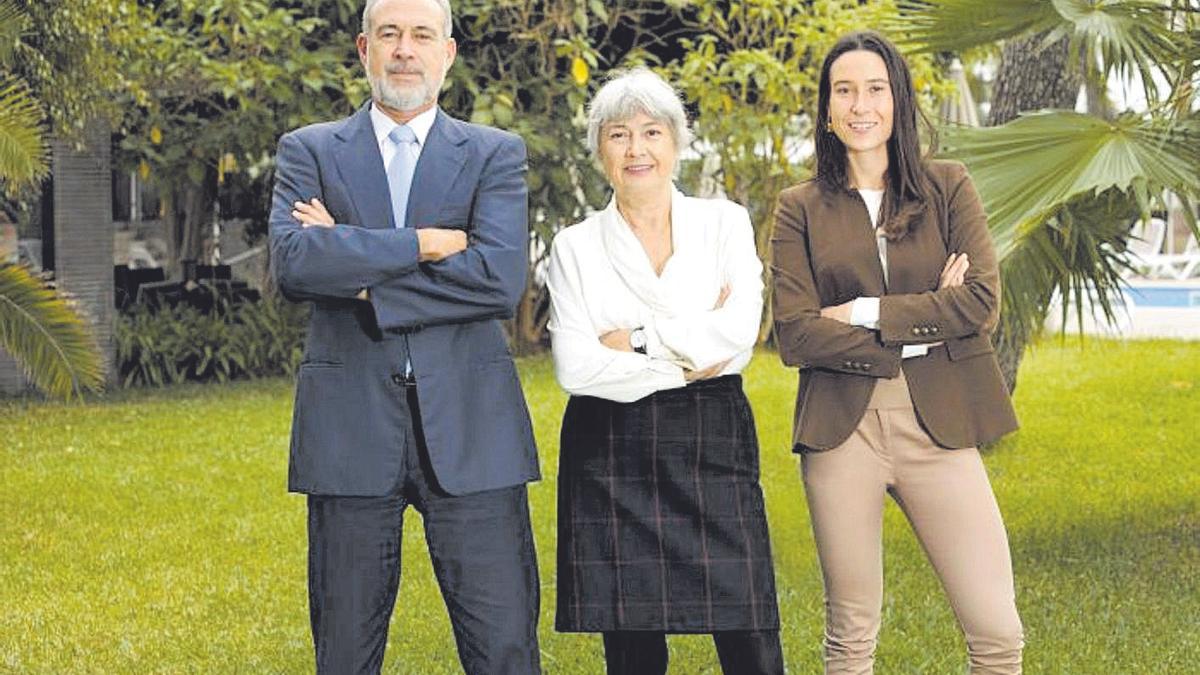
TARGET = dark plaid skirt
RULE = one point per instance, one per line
(661, 524)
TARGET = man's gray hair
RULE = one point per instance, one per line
(444, 4)
(632, 91)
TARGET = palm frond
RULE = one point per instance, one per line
(13, 23)
(46, 336)
(23, 150)
(956, 25)
(1128, 35)
(1027, 169)
(1080, 252)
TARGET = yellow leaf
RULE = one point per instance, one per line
(144, 170)
(727, 102)
(230, 161)
(579, 70)
(155, 135)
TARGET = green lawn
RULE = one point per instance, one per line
(151, 531)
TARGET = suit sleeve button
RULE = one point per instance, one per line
(397, 379)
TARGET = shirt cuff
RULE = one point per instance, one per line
(865, 312)
(909, 351)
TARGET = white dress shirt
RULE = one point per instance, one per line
(601, 280)
(421, 124)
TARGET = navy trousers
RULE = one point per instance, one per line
(482, 550)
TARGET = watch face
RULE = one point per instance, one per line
(637, 339)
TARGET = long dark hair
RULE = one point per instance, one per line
(908, 190)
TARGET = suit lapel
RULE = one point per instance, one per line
(361, 168)
(441, 160)
(862, 239)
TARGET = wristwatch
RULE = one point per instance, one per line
(637, 340)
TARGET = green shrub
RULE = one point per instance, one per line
(244, 340)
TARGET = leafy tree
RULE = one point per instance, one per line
(530, 66)
(214, 83)
(1062, 188)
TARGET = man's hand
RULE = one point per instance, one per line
(617, 339)
(838, 312)
(438, 244)
(709, 372)
(312, 214)
(954, 272)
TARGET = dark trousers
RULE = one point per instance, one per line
(481, 546)
(741, 652)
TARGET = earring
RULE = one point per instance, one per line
(828, 125)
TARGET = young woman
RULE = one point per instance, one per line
(886, 290)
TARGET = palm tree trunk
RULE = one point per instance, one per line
(1029, 79)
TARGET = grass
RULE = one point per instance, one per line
(150, 532)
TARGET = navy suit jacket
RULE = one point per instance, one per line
(347, 425)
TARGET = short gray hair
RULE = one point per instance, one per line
(632, 91)
(444, 4)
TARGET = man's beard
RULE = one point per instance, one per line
(404, 98)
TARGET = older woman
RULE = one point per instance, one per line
(655, 306)
(886, 291)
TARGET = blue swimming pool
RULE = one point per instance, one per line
(1165, 296)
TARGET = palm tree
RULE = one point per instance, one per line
(23, 153)
(38, 325)
(1062, 188)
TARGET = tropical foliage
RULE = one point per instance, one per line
(39, 326)
(23, 151)
(157, 347)
(1062, 189)
(44, 333)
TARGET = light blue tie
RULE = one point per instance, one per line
(400, 175)
(400, 171)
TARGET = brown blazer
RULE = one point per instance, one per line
(824, 254)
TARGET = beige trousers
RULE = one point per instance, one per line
(946, 496)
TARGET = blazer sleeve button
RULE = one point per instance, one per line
(397, 379)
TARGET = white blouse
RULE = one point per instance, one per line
(865, 311)
(601, 280)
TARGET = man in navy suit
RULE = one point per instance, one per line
(407, 230)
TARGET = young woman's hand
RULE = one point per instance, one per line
(954, 272)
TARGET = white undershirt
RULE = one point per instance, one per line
(865, 311)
